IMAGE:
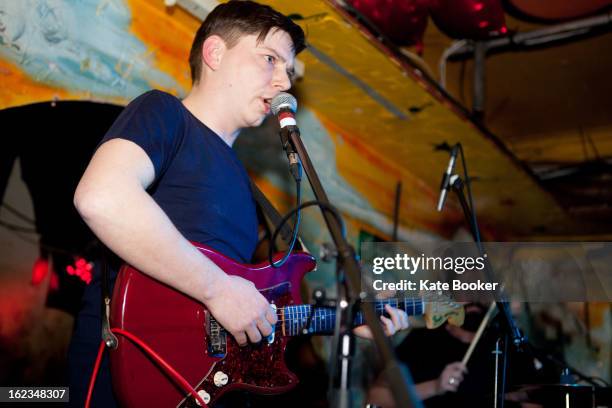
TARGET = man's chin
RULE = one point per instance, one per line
(257, 122)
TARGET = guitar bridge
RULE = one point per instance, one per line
(217, 337)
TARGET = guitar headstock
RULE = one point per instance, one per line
(440, 308)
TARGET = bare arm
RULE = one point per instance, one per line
(112, 199)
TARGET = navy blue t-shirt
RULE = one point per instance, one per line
(199, 182)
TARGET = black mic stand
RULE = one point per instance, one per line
(511, 331)
(349, 295)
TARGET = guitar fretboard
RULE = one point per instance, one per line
(295, 318)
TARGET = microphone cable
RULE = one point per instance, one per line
(296, 226)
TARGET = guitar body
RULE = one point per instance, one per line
(182, 332)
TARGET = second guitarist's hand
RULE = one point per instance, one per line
(241, 310)
(397, 322)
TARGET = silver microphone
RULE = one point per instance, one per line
(284, 106)
(445, 186)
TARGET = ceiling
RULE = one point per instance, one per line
(547, 110)
(551, 107)
(538, 157)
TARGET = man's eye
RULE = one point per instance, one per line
(270, 59)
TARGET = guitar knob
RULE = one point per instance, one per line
(205, 396)
(220, 379)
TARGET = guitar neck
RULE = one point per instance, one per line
(295, 318)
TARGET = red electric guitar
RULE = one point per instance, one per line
(182, 332)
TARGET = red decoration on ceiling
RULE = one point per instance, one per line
(470, 19)
(559, 10)
(81, 269)
(403, 21)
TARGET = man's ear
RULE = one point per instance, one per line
(213, 49)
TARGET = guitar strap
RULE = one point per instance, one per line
(272, 213)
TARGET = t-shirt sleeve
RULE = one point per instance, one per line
(152, 121)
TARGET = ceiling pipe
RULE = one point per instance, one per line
(546, 35)
(549, 35)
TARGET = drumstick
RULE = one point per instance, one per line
(483, 324)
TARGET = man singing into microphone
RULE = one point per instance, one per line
(165, 174)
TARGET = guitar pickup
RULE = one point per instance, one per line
(216, 343)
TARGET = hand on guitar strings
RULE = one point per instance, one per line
(242, 310)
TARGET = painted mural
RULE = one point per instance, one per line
(80, 46)
(86, 50)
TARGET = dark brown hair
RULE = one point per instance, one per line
(238, 18)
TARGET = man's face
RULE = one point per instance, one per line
(254, 73)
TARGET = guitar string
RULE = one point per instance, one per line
(379, 302)
(297, 319)
(298, 309)
(296, 312)
(414, 301)
(327, 313)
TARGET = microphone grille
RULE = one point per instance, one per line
(283, 100)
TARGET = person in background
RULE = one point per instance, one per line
(434, 359)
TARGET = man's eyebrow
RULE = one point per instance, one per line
(290, 69)
(280, 57)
